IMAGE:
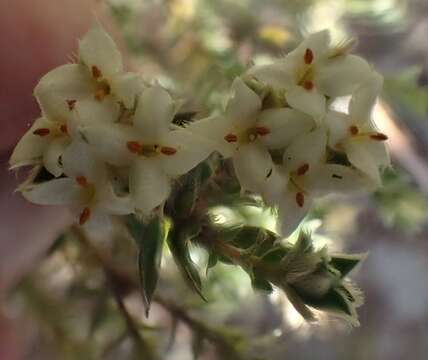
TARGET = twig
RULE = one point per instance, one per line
(116, 288)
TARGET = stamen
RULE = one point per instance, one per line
(302, 170)
(379, 137)
(71, 104)
(84, 216)
(308, 85)
(354, 130)
(82, 181)
(166, 150)
(300, 199)
(42, 132)
(96, 72)
(262, 131)
(309, 56)
(134, 146)
(231, 138)
(64, 128)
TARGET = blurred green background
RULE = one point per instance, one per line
(196, 48)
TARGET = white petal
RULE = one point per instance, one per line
(318, 43)
(275, 186)
(126, 87)
(148, 184)
(89, 111)
(337, 124)
(30, 148)
(53, 107)
(308, 149)
(284, 125)
(332, 178)
(191, 149)
(379, 152)
(359, 156)
(279, 75)
(154, 113)
(252, 164)
(69, 82)
(291, 213)
(78, 160)
(99, 221)
(213, 130)
(109, 142)
(112, 203)
(310, 102)
(340, 76)
(62, 191)
(244, 105)
(364, 99)
(53, 154)
(98, 49)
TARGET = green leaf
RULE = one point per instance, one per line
(346, 263)
(136, 228)
(149, 259)
(333, 301)
(212, 261)
(259, 283)
(179, 246)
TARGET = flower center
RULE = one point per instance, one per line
(247, 136)
(374, 135)
(146, 150)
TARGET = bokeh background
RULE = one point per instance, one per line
(54, 308)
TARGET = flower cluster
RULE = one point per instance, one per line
(284, 137)
(110, 145)
(105, 137)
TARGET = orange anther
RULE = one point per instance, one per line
(231, 138)
(308, 85)
(84, 215)
(309, 56)
(82, 181)
(166, 150)
(134, 146)
(262, 131)
(42, 132)
(96, 72)
(354, 130)
(302, 170)
(300, 199)
(379, 137)
(71, 104)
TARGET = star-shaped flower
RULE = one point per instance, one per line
(313, 71)
(98, 76)
(356, 134)
(88, 190)
(305, 175)
(155, 150)
(245, 133)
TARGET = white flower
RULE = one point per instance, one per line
(46, 140)
(357, 135)
(99, 76)
(305, 175)
(245, 133)
(88, 190)
(155, 150)
(313, 71)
